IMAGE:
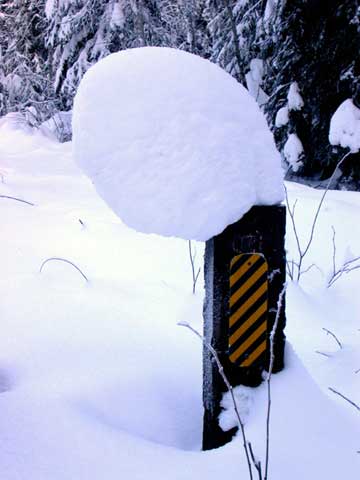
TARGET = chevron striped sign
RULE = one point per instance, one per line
(248, 309)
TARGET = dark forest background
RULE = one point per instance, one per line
(298, 58)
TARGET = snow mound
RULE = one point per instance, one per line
(173, 144)
(345, 126)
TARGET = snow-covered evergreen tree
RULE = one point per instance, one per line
(313, 67)
(24, 82)
(298, 59)
(234, 26)
(186, 25)
(81, 32)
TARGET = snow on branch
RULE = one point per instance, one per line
(282, 117)
(345, 126)
(293, 150)
(295, 101)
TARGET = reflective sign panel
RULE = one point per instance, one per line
(248, 309)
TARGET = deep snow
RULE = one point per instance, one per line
(97, 379)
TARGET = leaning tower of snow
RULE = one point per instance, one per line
(173, 144)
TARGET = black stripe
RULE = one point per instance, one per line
(243, 259)
(245, 277)
(248, 333)
(251, 349)
(248, 313)
(249, 293)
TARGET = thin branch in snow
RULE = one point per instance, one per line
(334, 251)
(347, 267)
(345, 398)
(257, 463)
(329, 332)
(308, 269)
(268, 379)
(66, 261)
(195, 276)
(17, 199)
(228, 386)
(344, 270)
(321, 203)
(302, 251)
(322, 353)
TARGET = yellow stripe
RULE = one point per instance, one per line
(244, 346)
(234, 260)
(243, 269)
(245, 306)
(240, 292)
(246, 325)
(255, 354)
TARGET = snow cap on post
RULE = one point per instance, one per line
(173, 143)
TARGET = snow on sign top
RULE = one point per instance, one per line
(173, 144)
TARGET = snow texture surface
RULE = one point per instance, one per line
(345, 126)
(173, 144)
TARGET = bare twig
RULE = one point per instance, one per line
(292, 218)
(17, 199)
(268, 379)
(334, 251)
(322, 353)
(322, 201)
(289, 269)
(66, 261)
(347, 267)
(257, 463)
(302, 251)
(345, 398)
(228, 386)
(195, 276)
(307, 269)
(333, 335)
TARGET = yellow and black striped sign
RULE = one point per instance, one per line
(248, 309)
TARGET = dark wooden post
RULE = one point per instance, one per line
(261, 230)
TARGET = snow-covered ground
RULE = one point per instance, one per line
(98, 382)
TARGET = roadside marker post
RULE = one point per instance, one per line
(245, 272)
